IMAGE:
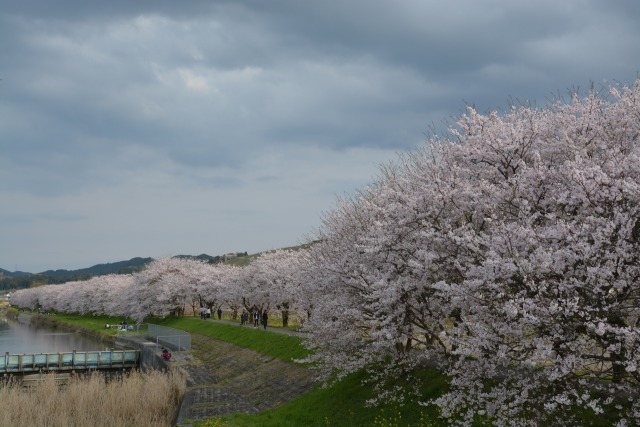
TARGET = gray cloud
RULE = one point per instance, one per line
(189, 127)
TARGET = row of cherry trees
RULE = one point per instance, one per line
(174, 285)
(507, 254)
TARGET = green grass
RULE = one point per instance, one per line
(283, 347)
(344, 404)
(95, 323)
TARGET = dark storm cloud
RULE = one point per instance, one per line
(166, 117)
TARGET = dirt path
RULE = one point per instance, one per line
(226, 379)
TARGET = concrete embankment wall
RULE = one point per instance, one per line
(150, 357)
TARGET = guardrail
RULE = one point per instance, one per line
(172, 338)
(68, 361)
(163, 336)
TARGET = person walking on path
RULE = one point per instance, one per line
(264, 319)
(219, 313)
(256, 318)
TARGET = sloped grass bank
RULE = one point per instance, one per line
(344, 404)
(282, 347)
(91, 322)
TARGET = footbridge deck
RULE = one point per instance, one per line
(68, 361)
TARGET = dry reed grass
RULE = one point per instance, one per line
(140, 400)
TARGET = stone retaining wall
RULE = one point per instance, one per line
(224, 379)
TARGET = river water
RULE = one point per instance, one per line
(16, 337)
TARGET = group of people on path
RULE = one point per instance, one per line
(122, 326)
(258, 319)
(244, 318)
(205, 313)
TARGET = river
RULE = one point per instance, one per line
(17, 337)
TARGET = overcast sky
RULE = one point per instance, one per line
(157, 128)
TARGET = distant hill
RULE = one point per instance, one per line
(120, 267)
(20, 280)
(6, 273)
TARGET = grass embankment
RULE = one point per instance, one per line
(90, 402)
(343, 404)
(282, 347)
(94, 323)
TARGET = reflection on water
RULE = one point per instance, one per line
(20, 338)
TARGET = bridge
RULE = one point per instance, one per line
(68, 361)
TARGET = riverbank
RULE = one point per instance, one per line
(245, 377)
(51, 322)
(158, 375)
(222, 378)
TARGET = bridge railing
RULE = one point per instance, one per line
(12, 363)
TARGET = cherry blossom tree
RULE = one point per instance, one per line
(302, 297)
(509, 251)
(165, 286)
(274, 276)
(371, 274)
(213, 283)
(551, 282)
(98, 295)
(252, 289)
(74, 297)
(26, 298)
(110, 293)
